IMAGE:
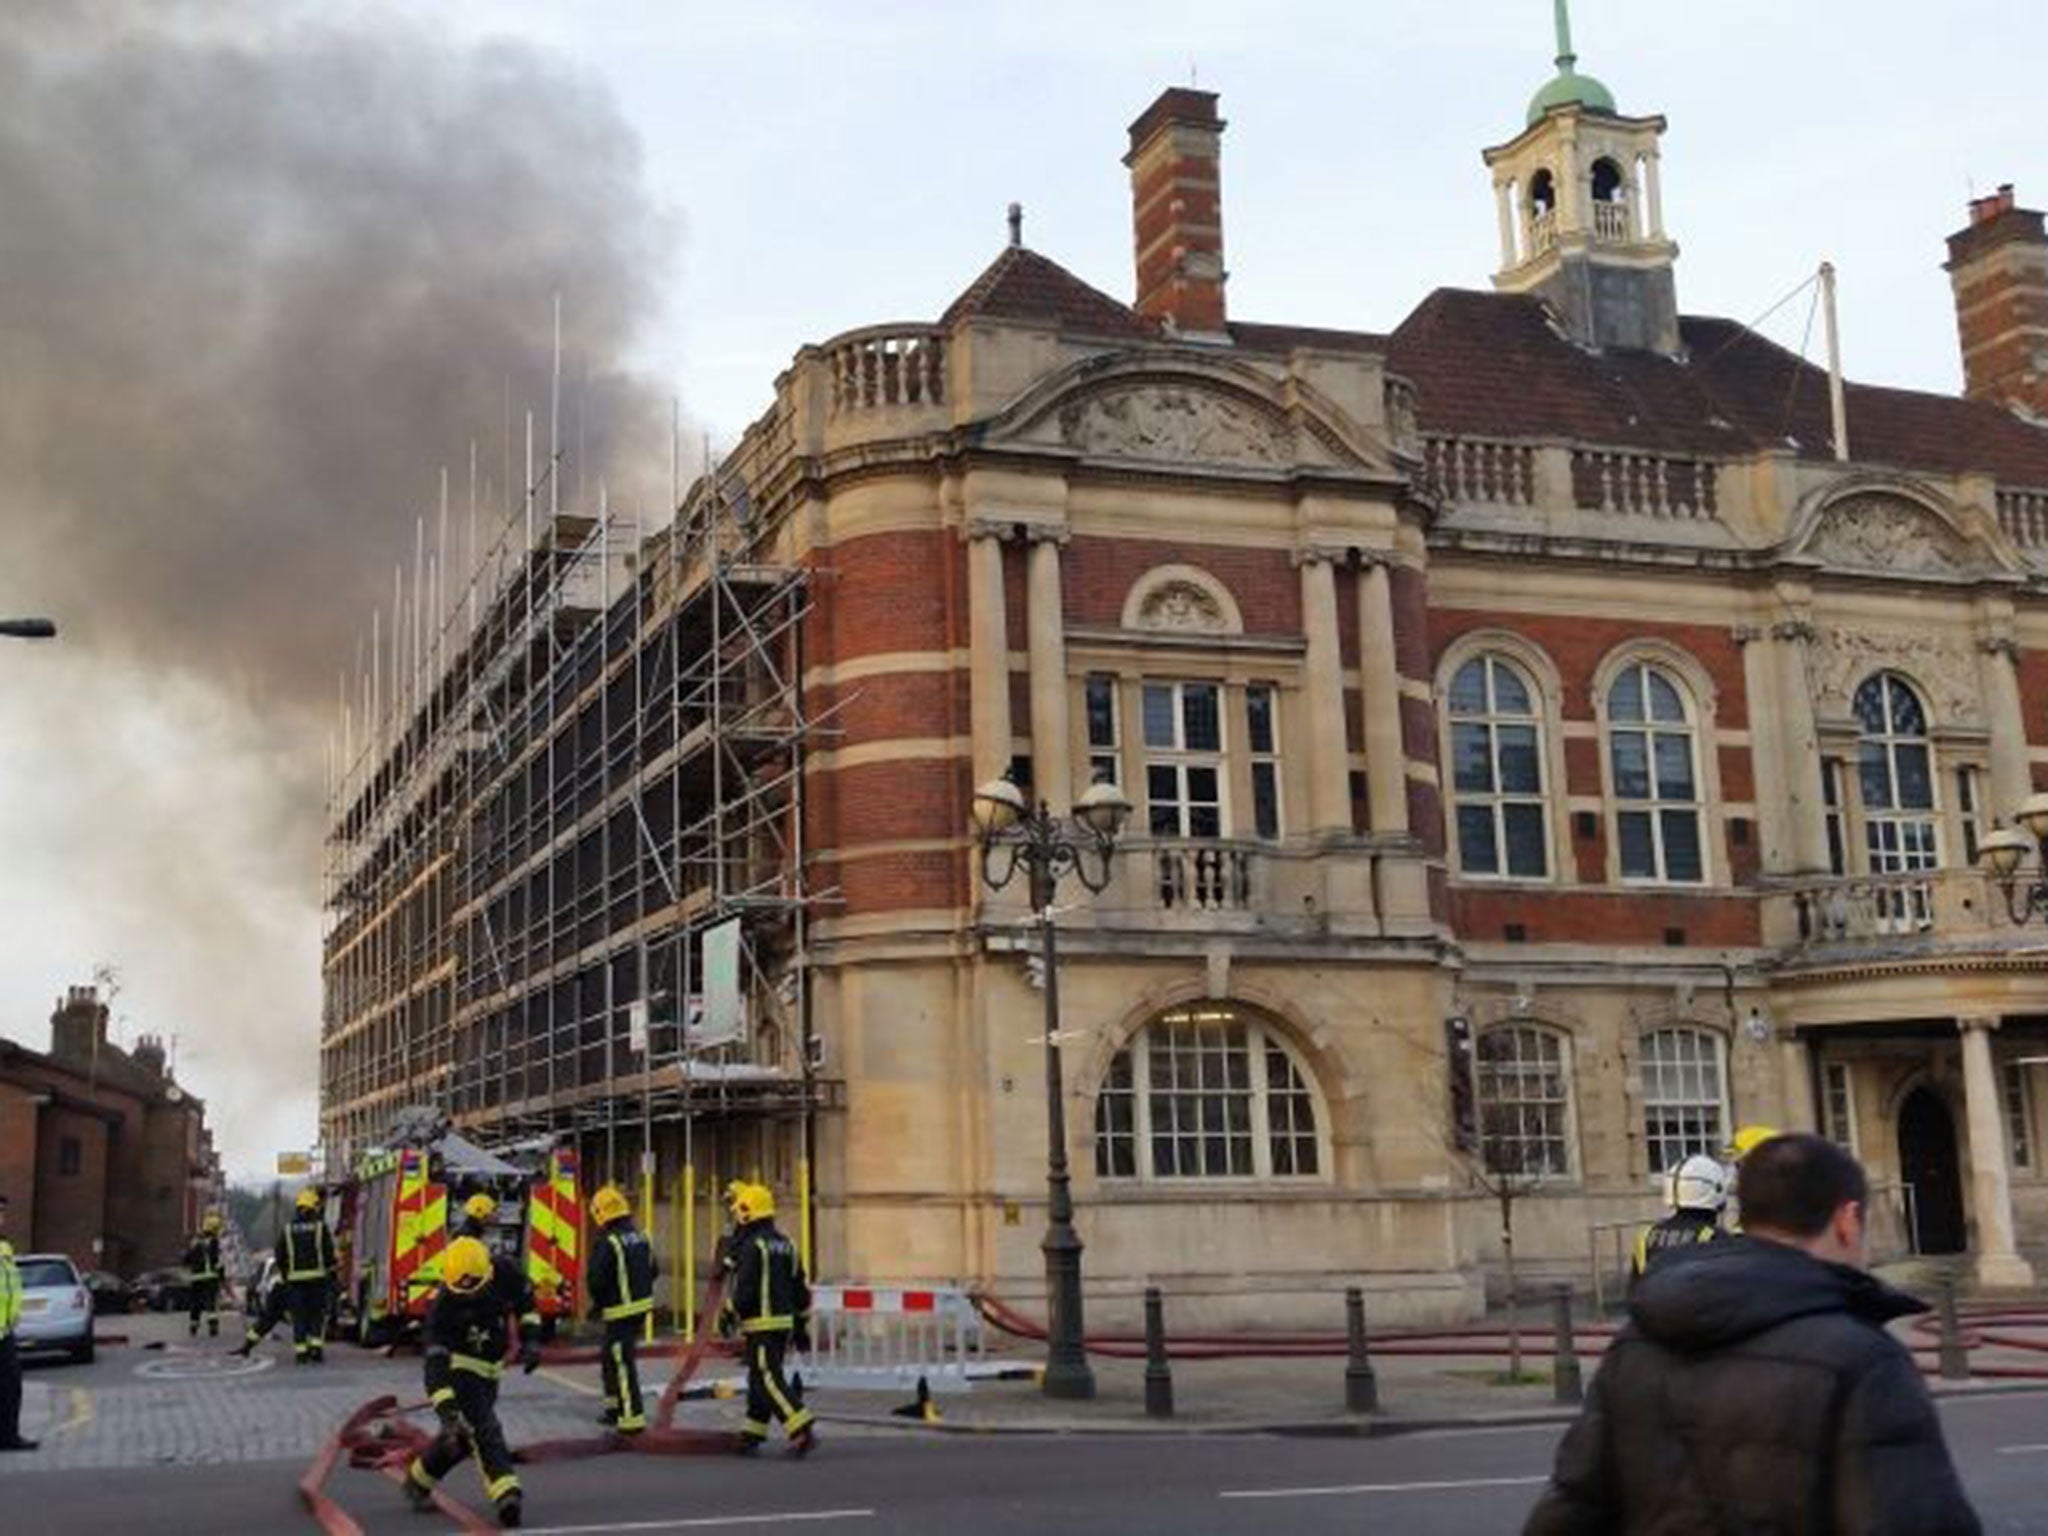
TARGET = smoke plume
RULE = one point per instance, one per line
(264, 270)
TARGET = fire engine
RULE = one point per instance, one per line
(393, 1217)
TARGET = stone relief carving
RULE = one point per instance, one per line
(1183, 606)
(1947, 670)
(1884, 533)
(1173, 424)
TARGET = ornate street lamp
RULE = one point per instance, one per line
(2005, 850)
(1046, 847)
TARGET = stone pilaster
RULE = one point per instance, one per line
(1386, 756)
(2012, 776)
(988, 645)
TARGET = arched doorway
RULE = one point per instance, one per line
(1927, 1161)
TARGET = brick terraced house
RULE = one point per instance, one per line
(1554, 674)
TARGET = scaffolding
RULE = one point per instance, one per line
(595, 759)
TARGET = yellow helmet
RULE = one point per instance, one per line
(734, 1191)
(212, 1222)
(1747, 1140)
(481, 1206)
(755, 1202)
(608, 1205)
(309, 1199)
(466, 1265)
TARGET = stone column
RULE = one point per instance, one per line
(2012, 772)
(1329, 777)
(1795, 1059)
(1652, 175)
(1386, 754)
(1052, 771)
(988, 649)
(1998, 1261)
(1799, 747)
(1505, 204)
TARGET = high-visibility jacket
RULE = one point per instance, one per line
(305, 1250)
(622, 1271)
(10, 1289)
(203, 1257)
(468, 1332)
(768, 1293)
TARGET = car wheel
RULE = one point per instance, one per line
(83, 1354)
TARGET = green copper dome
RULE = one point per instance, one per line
(1570, 89)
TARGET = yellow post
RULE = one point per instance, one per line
(803, 1207)
(688, 1201)
(647, 1222)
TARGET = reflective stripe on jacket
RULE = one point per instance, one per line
(769, 1293)
(305, 1250)
(622, 1271)
(10, 1289)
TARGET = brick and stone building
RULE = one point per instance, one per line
(1550, 675)
(103, 1156)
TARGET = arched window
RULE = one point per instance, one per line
(1207, 1091)
(1895, 771)
(1685, 1097)
(1653, 755)
(1525, 1100)
(1542, 212)
(1610, 202)
(1497, 771)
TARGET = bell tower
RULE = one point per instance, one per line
(1582, 212)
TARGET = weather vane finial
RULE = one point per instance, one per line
(1565, 57)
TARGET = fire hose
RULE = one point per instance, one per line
(380, 1437)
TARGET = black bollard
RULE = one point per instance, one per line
(1158, 1374)
(1361, 1383)
(1955, 1357)
(1566, 1384)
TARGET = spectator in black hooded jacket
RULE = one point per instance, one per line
(1756, 1388)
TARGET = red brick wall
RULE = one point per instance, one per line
(1632, 917)
(71, 1209)
(1099, 572)
(1579, 643)
(2033, 669)
(891, 705)
(18, 1159)
(887, 592)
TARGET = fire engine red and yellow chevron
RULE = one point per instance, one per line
(552, 1231)
(419, 1233)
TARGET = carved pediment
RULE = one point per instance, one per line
(1183, 606)
(1874, 531)
(1175, 424)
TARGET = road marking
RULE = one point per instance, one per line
(568, 1381)
(202, 1367)
(2022, 1450)
(1354, 1488)
(1489, 1429)
(707, 1522)
(81, 1412)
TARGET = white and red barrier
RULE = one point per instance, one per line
(893, 1336)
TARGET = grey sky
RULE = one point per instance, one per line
(806, 167)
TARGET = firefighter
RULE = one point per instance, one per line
(10, 1355)
(477, 1212)
(1697, 1191)
(203, 1272)
(621, 1283)
(466, 1343)
(305, 1277)
(768, 1303)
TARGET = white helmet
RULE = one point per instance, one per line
(1700, 1183)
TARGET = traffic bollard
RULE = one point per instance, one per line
(1361, 1383)
(1158, 1374)
(1566, 1384)
(1955, 1357)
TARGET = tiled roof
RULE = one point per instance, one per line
(1020, 284)
(1492, 365)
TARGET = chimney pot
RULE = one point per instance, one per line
(1175, 161)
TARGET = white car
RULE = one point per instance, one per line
(56, 1308)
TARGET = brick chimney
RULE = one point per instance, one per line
(78, 1029)
(1999, 269)
(1176, 164)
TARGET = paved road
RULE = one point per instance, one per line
(1463, 1482)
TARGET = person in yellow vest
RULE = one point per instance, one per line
(202, 1273)
(1696, 1190)
(467, 1339)
(768, 1303)
(10, 1355)
(621, 1282)
(305, 1276)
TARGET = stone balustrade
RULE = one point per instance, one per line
(885, 366)
(2023, 514)
(1902, 914)
(1643, 485)
(1472, 471)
